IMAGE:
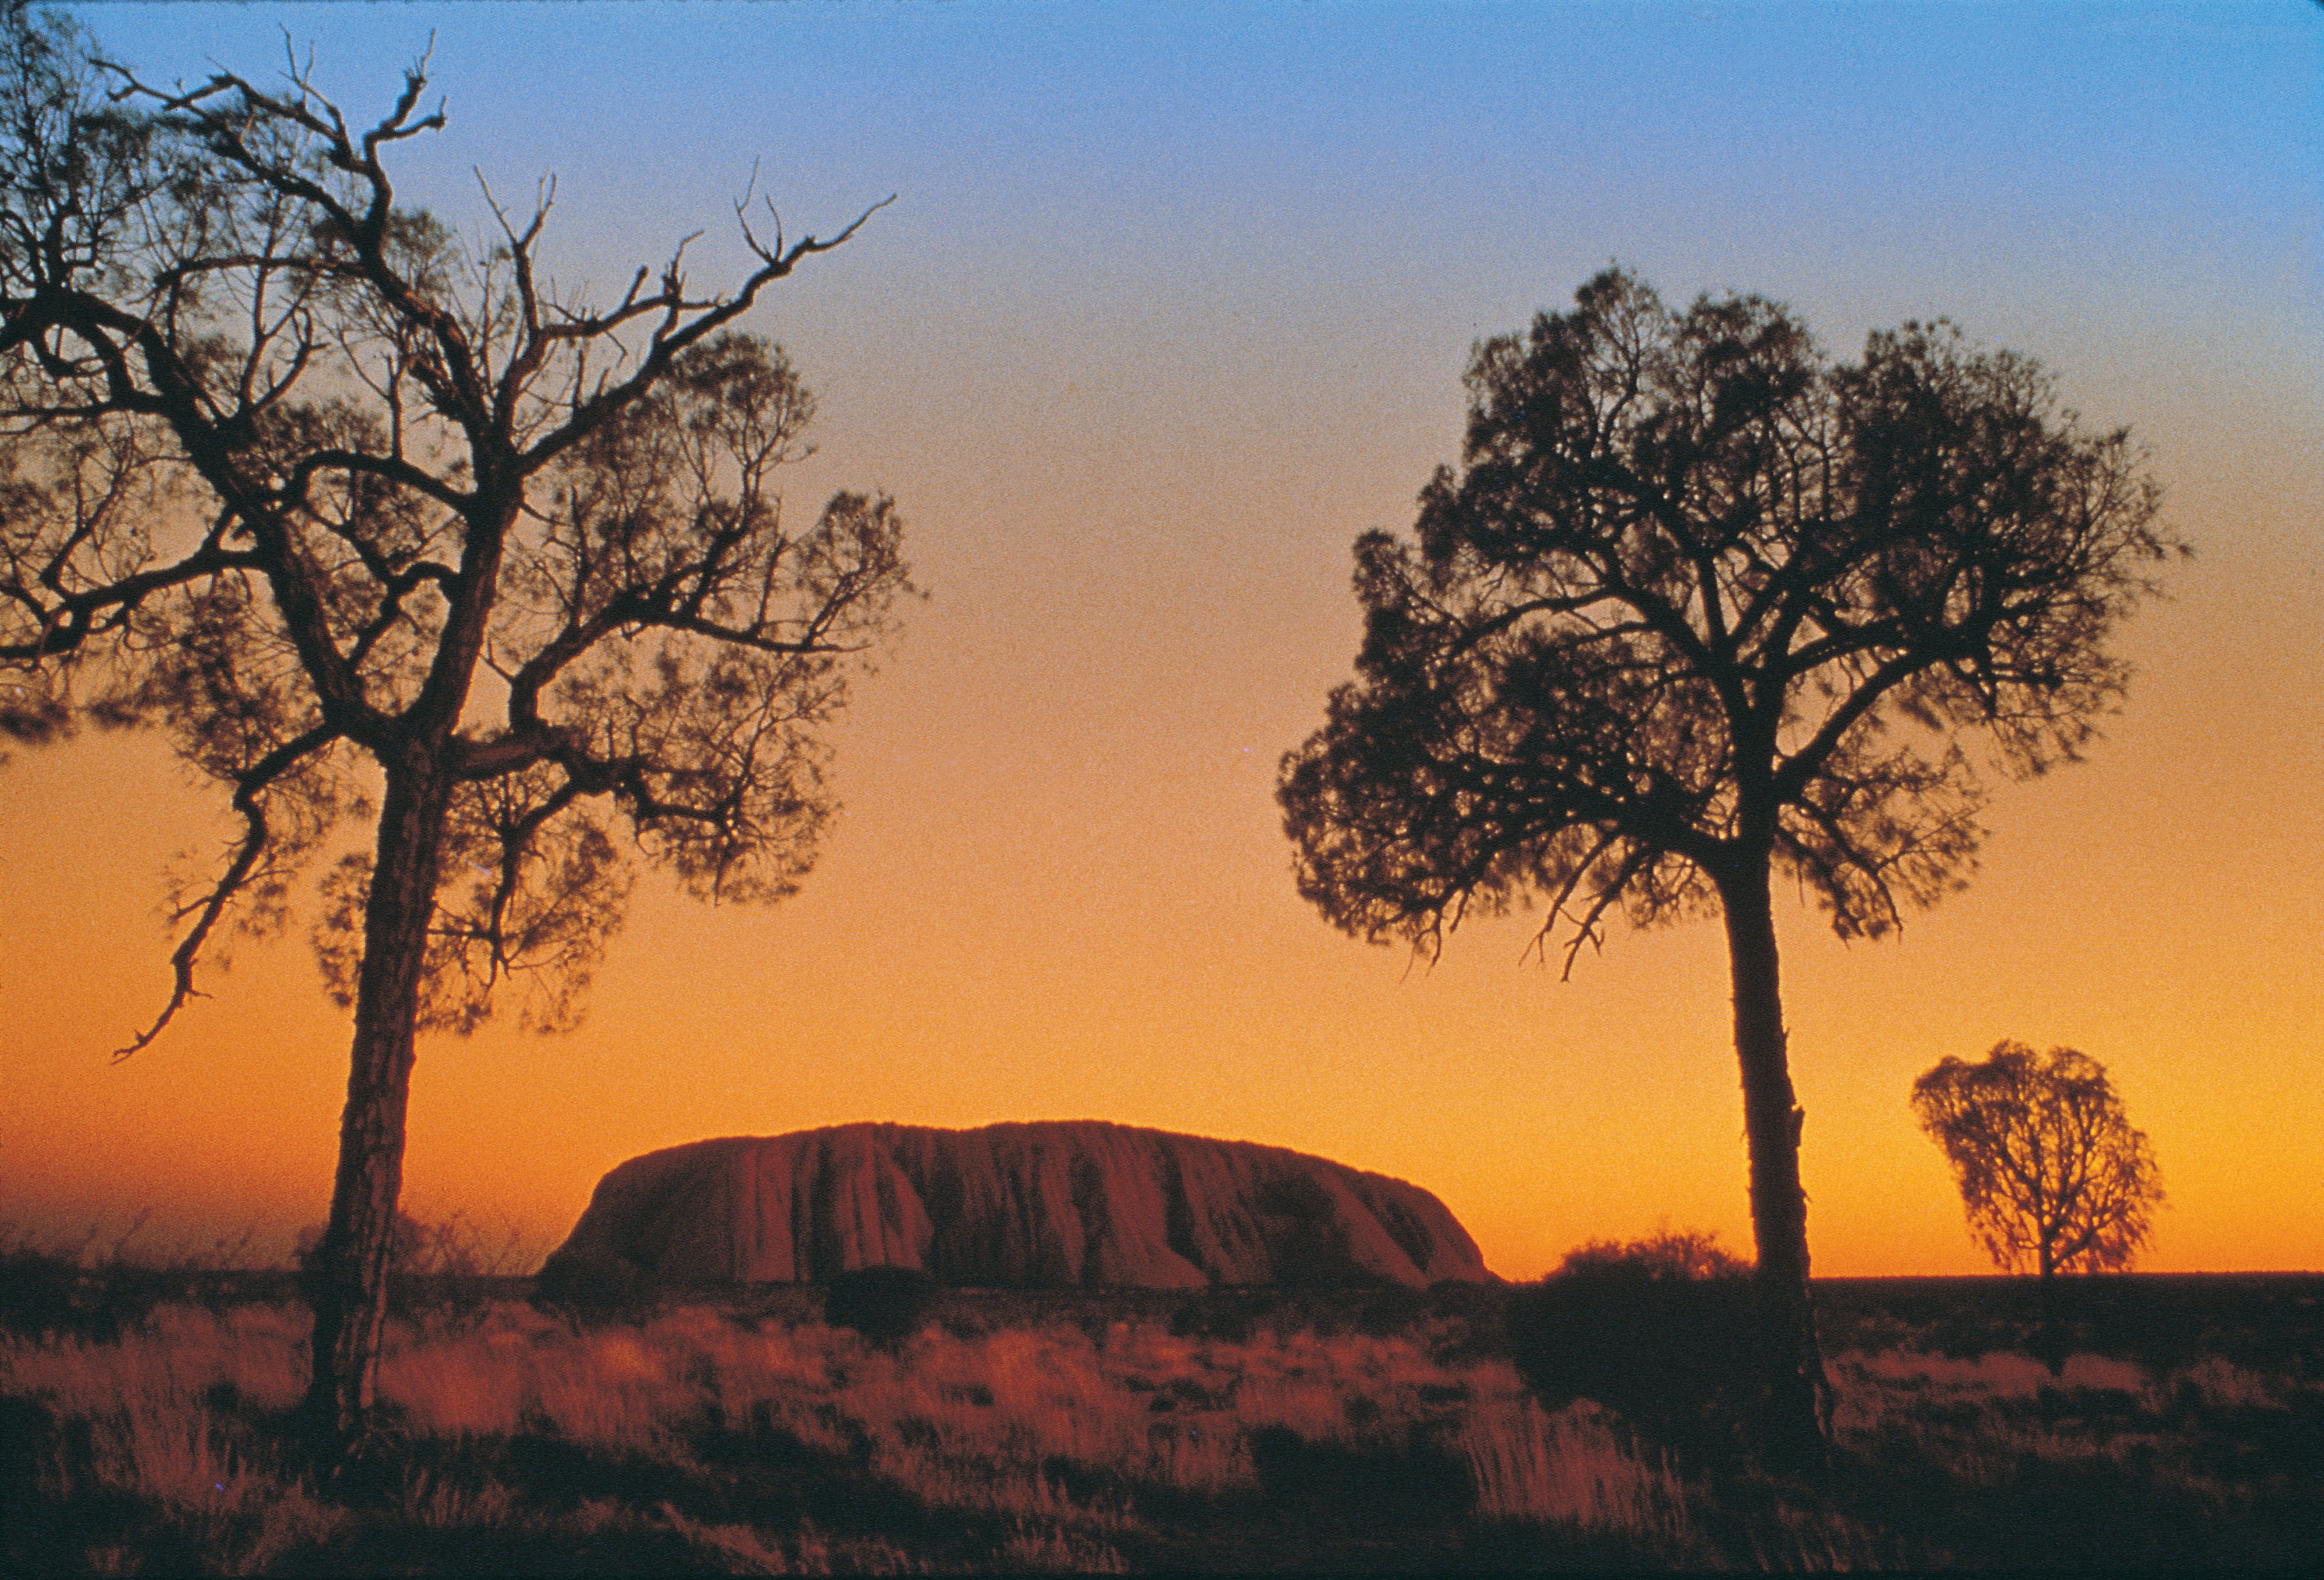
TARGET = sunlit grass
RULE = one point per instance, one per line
(729, 1440)
(1054, 1433)
(1571, 1468)
(165, 1409)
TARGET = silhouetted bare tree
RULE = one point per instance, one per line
(380, 530)
(1702, 608)
(2049, 1166)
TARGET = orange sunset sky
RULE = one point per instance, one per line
(1173, 303)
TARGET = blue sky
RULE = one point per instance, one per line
(1173, 302)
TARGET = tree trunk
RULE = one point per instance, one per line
(1793, 1389)
(347, 1282)
(2050, 1336)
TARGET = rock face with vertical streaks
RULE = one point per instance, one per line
(1050, 1205)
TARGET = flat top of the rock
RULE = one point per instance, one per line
(1029, 1127)
(1032, 1203)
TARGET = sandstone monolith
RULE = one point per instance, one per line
(1046, 1205)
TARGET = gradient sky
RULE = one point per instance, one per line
(1173, 303)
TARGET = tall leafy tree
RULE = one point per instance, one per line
(1701, 608)
(2050, 1169)
(384, 532)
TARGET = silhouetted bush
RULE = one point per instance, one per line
(588, 1286)
(1672, 1253)
(455, 1246)
(886, 1305)
(93, 1287)
(42, 1293)
(1230, 1316)
(1659, 1331)
(37, 1293)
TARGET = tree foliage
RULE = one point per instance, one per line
(297, 466)
(1700, 597)
(2050, 1171)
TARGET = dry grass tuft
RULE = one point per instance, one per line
(164, 1408)
(1052, 1550)
(1572, 1468)
(742, 1549)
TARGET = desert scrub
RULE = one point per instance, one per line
(151, 1445)
(706, 1439)
(733, 1439)
(2104, 1463)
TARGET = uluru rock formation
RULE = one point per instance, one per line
(1053, 1203)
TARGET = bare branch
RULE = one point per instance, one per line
(676, 333)
(248, 800)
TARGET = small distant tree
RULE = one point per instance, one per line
(1703, 610)
(2052, 1172)
(390, 532)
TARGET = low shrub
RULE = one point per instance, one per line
(1657, 1330)
(38, 1293)
(591, 1286)
(1682, 1255)
(886, 1305)
(453, 1247)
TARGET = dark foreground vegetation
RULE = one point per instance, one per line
(149, 1427)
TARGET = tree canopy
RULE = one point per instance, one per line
(2050, 1171)
(1700, 600)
